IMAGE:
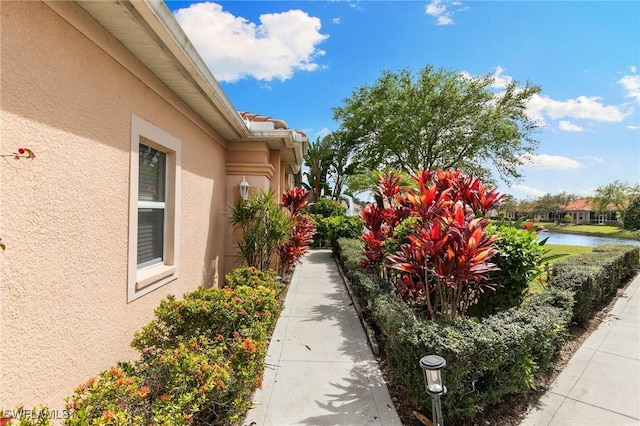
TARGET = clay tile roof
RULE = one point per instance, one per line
(579, 204)
(585, 204)
(277, 124)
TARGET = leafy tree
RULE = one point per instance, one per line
(438, 120)
(342, 164)
(631, 219)
(616, 194)
(319, 159)
(508, 205)
(553, 204)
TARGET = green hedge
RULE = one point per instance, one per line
(201, 358)
(594, 277)
(487, 359)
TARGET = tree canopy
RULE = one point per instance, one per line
(438, 119)
(617, 194)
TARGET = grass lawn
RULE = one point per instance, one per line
(562, 249)
(535, 285)
(598, 230)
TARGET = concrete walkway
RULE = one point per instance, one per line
(601, 383)
(320, 369)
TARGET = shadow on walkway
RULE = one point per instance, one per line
(322, 370)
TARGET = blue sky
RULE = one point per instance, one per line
(296, 60)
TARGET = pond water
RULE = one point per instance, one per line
(582, 240)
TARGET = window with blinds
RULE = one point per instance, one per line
(151, 206)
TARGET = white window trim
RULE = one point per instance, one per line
(145, 280)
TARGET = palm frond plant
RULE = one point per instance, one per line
(264, 226)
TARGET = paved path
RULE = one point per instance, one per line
(320, 369)
(601, 383)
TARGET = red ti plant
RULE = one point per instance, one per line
(380, 219)
(443, 265)
(301, 237)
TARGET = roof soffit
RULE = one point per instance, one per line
(151, 33)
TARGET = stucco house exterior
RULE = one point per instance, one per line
(138, 155)
(582, 212)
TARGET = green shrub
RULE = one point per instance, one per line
(336, 227)
(491, 357)
(326, 207)
(519, 257)
(631, 218)
(485, 360)
(252, 277)
(349, 254)
(201, 359)
(36, 416)
(323, 209)
(594, 277)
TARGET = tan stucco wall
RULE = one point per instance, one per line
(64, 216)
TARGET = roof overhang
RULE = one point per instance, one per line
(148, 29)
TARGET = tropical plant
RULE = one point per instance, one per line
(301, 234)
(318, 159)
(264, 226)
(442, 268)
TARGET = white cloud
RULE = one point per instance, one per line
(323, 132)
(501, 81)
(544, 161)
(529, 190)
(633, 127)
(438, 10)
(234, 48)
(633, 69)
(631, 84)
(583, 107)
(336, 21)
(568, 126)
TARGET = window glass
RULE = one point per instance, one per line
(150, 237)
(151, 174)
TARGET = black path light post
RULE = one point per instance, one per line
(431, 367)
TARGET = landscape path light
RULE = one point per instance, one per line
(432, 366)
(244, 188)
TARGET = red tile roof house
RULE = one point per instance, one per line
(583, 212)
(139, 153)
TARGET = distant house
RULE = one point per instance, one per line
(582, 212)
(139, 154)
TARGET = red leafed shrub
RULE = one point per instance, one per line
(301, 236)
(441, 266)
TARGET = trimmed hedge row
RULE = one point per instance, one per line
(594, 277)
(488, 358)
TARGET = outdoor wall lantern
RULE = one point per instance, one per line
(431, 367)
(244, 188)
